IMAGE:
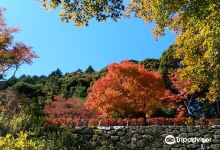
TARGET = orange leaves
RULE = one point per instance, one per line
(12, 55)
(22, 53)
(127, 89)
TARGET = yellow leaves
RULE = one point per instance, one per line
(198, 35)
(198, 38)
(20, 143)
(198, 46)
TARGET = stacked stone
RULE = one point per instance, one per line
(148, 137)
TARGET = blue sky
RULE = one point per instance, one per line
(61, 45)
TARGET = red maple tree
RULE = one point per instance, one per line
(127, 90)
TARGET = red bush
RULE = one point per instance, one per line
(107, 122)
(121, 122)
(93, 122)
(68, 112)
(203, 121)
(215, 121)
(133, 122)
(61, 121)
(166, 121)
(140, 121)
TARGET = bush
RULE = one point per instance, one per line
(107, 122)
(214, 121)
(136, 122)
(19, 142)
(16, 123)
(203, 121)
(67, 112)
(65, 139)
(93, 122)
(121, 122)
(166, 121)
(12, 102)
(164, 112)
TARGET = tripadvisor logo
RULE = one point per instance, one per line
(170, 139)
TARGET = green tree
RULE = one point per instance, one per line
(150, 63)
(29, 90)
(57, 73)
(76, 84)
(168, 62)
(53, 84)
(90, 70)
(101, 73)
(9, 83)
(81, 11)
(79, 71)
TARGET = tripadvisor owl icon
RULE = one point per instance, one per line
(170, 139)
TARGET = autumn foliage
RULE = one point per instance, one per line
(128, 89)
(166, 121)
(173, 99)
(12, 54)
(67, 111)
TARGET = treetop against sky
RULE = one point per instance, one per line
(60, 45)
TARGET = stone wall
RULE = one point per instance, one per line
(148, 137)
